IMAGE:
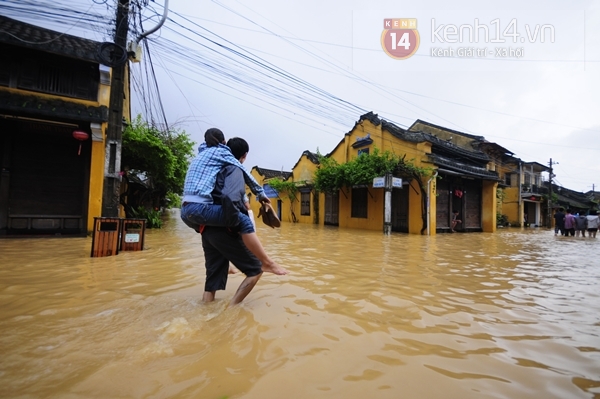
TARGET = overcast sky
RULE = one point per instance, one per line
(294, 75)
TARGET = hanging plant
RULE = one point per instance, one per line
(331, 176)
(286, 188)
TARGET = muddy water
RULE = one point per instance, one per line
(514, 314)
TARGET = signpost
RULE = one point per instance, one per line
(379, 182)
(387, 182)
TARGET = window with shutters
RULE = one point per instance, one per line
(305, 203)
(48, 73)
(359, 202)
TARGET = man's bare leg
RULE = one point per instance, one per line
(268, 265)
(244, 289)
(208, 296)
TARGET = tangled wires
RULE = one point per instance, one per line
(112, 55)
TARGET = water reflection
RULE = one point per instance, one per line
(505, 315)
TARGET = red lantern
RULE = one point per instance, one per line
(533, 198)
(81, 136)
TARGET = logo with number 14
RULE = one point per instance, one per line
(400, 38)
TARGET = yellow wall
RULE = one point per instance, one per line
(374, 220)
(510, 206)
(488, 206)
(96, 183)
(98, 162)
(415, 219)
(99, 153)
(303, 175)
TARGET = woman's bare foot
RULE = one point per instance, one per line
(232, 270)
(273, 267)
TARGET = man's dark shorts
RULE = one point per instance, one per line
(221, 247)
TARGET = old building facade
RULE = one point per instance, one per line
(461, 176)
(54, 98)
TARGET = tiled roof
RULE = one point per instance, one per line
(569, 202)
(312, 157)
(462, 168)
(568, 197)
(419, 121)
(438, 145)
(270, 173)
(22, 34)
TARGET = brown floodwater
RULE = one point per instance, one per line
(515, 314)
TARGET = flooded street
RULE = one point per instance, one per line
(515, 314)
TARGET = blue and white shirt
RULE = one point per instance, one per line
(202, 174)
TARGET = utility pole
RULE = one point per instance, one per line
(114, 131)
(549, 221)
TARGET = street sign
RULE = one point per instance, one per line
(396, 182)
(379, 182)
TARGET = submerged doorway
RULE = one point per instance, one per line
(44, 182)
(400, 210)
(332, 209)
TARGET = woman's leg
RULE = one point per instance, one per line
(253, 244)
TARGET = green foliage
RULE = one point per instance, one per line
(553, 199)
(284, 187)
(500, 194)
(501, 220)
(156, 160)
(331, 176)
(173, 200)
(152, 217)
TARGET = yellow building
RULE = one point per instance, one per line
(523, 193)
(467, 166)
(362, 207)
(54, 114)
(302, 175)
(460, 179)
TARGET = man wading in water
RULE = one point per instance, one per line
(224, 244)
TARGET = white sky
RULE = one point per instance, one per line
(539, 106)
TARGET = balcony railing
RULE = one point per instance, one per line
(533, 189)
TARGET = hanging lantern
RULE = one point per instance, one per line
(81, 136)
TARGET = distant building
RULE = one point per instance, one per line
(467, 166)
(524, 197)
(54, 98)
(578, 202)
(263, 176)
